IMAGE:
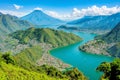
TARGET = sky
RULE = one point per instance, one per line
(63, 9)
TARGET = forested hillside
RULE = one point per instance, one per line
(45, 35)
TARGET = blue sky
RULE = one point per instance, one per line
(57, 4)
(60, 7)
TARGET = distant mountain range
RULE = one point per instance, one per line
(10, 24)
(97, 22)
(38, 17)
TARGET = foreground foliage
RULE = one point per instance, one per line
(11, 70)
(111, 70)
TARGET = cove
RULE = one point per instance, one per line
(85, 62)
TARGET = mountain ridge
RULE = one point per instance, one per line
(9, 23)
(105, 22)
(45, 35)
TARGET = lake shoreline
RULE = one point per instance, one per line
(72, 55)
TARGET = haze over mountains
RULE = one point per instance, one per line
(106, 22)
(10, 24)
(38, 17)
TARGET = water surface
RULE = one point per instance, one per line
(85, 62)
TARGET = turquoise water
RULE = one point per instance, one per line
(86, 63)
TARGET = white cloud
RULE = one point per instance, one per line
(76, 13)
(90, 11)
(17, 6)
(14, 13)
(57, 15)
(38, 8)
(94, 10)
(52, 13)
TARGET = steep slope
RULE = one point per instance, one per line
(105, 44)
(110, 22)
(97, 22)
(46, 35)
(37, 17)
(10, 70)
(115, 50)
(10, 24)
(87, 21)
(29, 55)
(113, 36)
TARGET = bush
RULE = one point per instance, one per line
(7, 58)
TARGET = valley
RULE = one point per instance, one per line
(28, 50)
(85, 62)
(43, 44)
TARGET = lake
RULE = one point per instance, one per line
(85, 62)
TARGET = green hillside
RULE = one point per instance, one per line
(28, 57)
(27, 47)
(111, 70)
(10, 24)
(10, 70)
(13, 72)
(45, 35)
(107, 44)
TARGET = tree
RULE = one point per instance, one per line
(111, 70)
(7, 58)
